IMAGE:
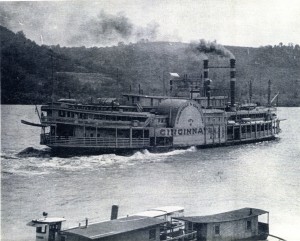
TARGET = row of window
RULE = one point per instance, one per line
(160, 120)
(120, 133)
(260, 127)
(212, 102)
(215, 119)
(238, 117)
(217, 230)
(252, 128)
(69, 114)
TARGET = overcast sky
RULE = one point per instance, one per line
(100, 23)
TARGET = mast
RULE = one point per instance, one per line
(269, 92)
(250, 91)
(164, 84)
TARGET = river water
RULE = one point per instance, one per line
(264, 175)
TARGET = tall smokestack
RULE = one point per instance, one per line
(114, 212)
(205, 71)
(232, 83)
(206, 81)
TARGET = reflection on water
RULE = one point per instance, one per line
(205, 181)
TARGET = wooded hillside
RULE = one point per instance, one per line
(31, 73)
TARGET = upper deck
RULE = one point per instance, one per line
(95, 115)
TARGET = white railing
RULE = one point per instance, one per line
(95, 141)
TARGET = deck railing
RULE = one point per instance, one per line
(46, 139)
(96, 122)
(251, 135)
(182, 235)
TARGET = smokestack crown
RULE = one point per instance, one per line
(232, 63)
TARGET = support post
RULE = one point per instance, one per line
(84, 134)
(130, 137)
(255, 130)
(96, 135)
(240, 132)
(143, 137)
(213, 132)
(116, 137)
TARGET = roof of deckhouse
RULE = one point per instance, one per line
(225, 217)
(153, 96)
(113, 227)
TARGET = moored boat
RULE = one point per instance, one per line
(161, 224)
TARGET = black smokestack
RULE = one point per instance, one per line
(205, 75)
(205, 69)
(207, 81)
(232, 83)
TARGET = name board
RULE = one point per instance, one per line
(189, 104)
(179, 131)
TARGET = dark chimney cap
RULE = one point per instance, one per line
(232, 63)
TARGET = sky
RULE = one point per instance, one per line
(251, 23)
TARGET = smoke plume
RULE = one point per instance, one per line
(107, 28)
(76, 24)
(211, 47)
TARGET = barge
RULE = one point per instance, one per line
(190, 115)
(161, 224)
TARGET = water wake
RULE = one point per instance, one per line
(33, 152)
(31, 161)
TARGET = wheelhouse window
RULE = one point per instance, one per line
(217, 229)
(190, 226)
(152, 234)
(41, 229)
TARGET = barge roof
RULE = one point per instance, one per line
(225, 217)
(113, 227)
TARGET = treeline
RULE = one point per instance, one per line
(32, 73)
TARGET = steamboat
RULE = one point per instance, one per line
(190, 115)
(166, 223)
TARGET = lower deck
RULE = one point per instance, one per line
(123, 141)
